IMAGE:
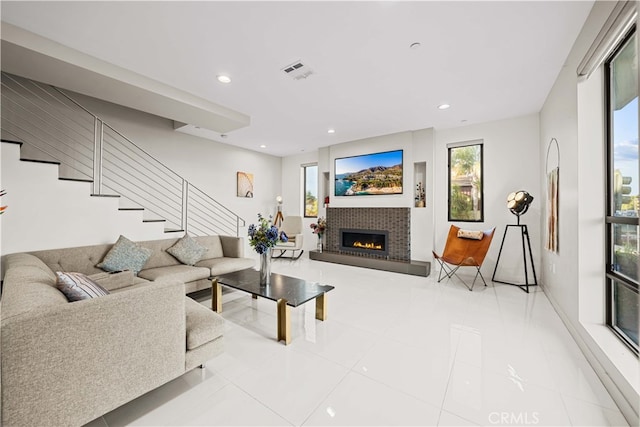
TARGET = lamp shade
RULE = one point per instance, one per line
(518, 202)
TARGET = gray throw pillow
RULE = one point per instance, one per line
(187, 250)
(78, 287)
(125, 255)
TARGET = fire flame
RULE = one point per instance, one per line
(376, 246)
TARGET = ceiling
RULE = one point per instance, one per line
(488, 60)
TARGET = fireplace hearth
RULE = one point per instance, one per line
(364, 241)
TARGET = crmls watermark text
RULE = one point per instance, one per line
(511, 418)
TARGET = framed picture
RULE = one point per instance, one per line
(245, 184)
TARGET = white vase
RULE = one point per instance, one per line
(265, 268)
(319, 248)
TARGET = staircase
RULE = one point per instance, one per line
(53, 128)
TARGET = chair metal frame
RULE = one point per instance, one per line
(460, 252)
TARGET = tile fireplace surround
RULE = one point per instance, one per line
(396, 221)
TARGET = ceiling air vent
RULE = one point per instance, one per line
(297, 70)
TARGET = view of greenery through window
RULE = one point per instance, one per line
(465, 183)
(310, 191)
(624, 245)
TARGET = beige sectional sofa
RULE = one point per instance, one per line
(68, 363)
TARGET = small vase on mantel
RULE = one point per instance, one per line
(319, 248)
(265, 268)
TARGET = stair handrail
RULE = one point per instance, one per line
(98, 159)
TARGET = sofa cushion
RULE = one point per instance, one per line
(114, 281)
(226, 265)
(187, 250)
(78, 287)
(125, 255)
(180, 272)
(213, 245)
(28, 260)
(203, 325)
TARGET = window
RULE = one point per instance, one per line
(310, 173)
(465, 183)
(622, 192)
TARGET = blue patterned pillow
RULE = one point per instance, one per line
(77, 286)
(125, 255)
(187, 250)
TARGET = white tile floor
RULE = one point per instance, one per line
(394, 350)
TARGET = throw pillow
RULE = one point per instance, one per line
(125, 255)
(187, 250)
(470, 234)
(78, 287)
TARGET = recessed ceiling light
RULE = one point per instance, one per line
(224, 78)
(415, 45)
(263, 146)
(331, 131)
(443, 106)
(223, 135)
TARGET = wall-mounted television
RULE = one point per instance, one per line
(369, 174)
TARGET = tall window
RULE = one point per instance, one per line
(310, 173)
(465, 183)
(622, 196)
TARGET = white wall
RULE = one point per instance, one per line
(209, 165)
(573, 115)
(511, 162)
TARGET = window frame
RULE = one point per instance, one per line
(611, 220)
(451, 147)
(304, 190)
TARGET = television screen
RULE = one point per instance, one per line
(369, 174)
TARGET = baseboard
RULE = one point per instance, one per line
(627, 409)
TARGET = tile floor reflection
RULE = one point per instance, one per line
(394, 350)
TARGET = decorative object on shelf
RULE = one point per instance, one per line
(262, 238)
(279, 218)
(2, 208)
(518, 203)
(420, 195)
(245, 184)
(319, 228)
(553, 182)
(326, 201)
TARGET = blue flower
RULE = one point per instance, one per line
(261, 248)
(252, 230)
(283, 237)
(272, 233)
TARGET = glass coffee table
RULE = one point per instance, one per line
(284, 290)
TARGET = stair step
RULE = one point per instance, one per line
(105, 195)
(154, 220)
(8, 141)
(173, 230)
(75, 179)
(130, 209)
(50, 162)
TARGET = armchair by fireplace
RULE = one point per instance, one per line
(292, 226)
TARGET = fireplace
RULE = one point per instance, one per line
(364, 241)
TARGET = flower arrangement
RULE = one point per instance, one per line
(319, 227)
(265, 235)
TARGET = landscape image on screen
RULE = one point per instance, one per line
(369, 174)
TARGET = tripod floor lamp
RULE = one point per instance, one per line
(518, 203)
